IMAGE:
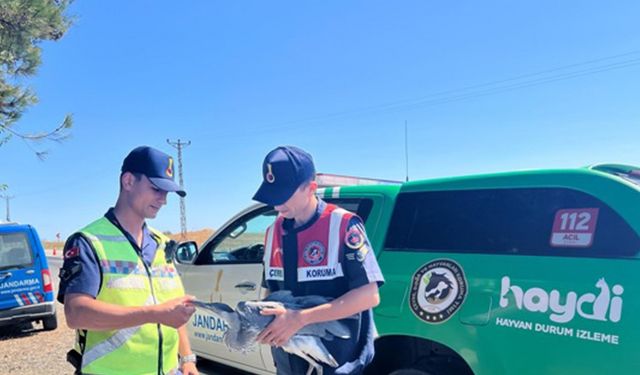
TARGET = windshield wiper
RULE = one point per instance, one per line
(12, 266)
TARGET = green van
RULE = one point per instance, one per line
(529, 272)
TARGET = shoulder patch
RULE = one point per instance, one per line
(72, 252)
(354, 239)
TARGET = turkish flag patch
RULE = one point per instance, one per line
(72, 253)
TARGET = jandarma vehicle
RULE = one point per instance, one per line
(529, 272)
(26, 289)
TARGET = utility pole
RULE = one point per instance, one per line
(183, 211)
(7, 198)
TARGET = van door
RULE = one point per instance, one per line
(20, 280)
(228, 269)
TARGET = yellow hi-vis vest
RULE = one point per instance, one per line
(127, 281)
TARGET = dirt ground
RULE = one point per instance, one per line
(28, 349)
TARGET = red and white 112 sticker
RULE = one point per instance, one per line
(574, 227)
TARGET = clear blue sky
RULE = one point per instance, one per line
(338, 78)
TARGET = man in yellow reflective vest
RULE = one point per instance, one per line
(119, 287)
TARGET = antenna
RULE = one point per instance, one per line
(406, 148)
(183, 211)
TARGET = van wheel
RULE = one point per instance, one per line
(50, 323)
(409, 371)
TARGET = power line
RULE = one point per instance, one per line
(183, 211)
(479, 90)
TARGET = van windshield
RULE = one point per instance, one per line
(15, 251)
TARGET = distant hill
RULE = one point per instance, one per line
(199, 236)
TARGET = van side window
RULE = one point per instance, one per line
(503, 221)
(15, 251)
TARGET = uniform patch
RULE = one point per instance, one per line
(72, 253)
(438, 290)
(314, 253)
(270, 177)
(362, 253)
(169, 170)
(128, 282)
(354, 239)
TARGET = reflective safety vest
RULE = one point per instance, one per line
(128, 281)
(319, 247)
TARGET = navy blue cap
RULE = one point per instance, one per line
(283, 171)
(156, 165)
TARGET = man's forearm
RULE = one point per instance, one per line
(352, 302)
(84, 312)
(184, 348)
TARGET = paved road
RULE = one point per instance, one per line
(204, 366)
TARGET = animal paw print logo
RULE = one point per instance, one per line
(438, 290)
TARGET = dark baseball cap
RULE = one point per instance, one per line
(283, 171)
(156, 165)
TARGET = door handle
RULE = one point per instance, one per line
(246, 286)
(5, 275)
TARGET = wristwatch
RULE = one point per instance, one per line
(187, 358)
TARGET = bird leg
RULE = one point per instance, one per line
(314, 366)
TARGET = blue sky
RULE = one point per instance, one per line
(337, 78)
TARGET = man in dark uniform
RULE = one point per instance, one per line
(315, 248)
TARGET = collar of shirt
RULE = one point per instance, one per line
(288, 224)
(147, 237)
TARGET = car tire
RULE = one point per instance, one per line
(50, 323)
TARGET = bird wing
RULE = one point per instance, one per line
(327, 330)
(280, 296)
(310, 346)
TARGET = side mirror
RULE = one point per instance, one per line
(186, 252)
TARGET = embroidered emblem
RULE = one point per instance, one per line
(72, 253)
(270, 177)
(314, 253)
(169, 170)
(362, 253)
(354, 239)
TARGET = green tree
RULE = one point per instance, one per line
(24, 24)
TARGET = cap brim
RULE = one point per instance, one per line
(167, 185)
(272, 194)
